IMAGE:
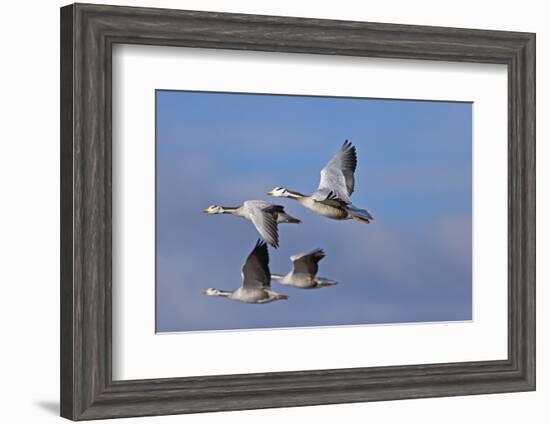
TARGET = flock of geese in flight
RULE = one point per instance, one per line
(332, 199)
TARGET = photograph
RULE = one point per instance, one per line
(275, 211)
(290, 211)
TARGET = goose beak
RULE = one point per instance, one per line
(205, 210)
(270, 193)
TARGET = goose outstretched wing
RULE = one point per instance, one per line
(337, 177)
(255, 272)
(307, 263)
(264, 220)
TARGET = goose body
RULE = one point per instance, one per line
(332, 199)
(324, 209)
(304, 272)
(256, 283)
(264, 215)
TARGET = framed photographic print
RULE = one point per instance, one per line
(266, 211)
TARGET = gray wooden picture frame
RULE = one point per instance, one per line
(88, 33)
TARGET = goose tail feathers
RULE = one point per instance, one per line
(284, 218)
(361, 215)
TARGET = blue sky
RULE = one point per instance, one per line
(412, 264)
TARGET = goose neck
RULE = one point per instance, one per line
(230, 209)
(294, 195)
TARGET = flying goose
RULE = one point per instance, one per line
(264, 215)
(255, 274)
(304, 272)
(333, 196)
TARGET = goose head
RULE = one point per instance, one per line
(279, 192)
(213, 209)
(211, 292)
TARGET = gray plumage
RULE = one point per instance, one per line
(304, 272)
(337, 177)
(255, 272)
(264, 215)
(332, 198)
(256, 281)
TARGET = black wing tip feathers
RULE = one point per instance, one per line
(274, 242)
(274, 234)
(319, 254)
(348, 145)
(259, 243)
(272, 231)
(351, 157)
(261, 248)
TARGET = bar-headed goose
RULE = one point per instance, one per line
(304, 272)
(264, 215)
(333, 196)
(256, 287)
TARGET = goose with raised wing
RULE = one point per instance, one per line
(304, 272)
(332, 198)
(256, 282)
(264, 215)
